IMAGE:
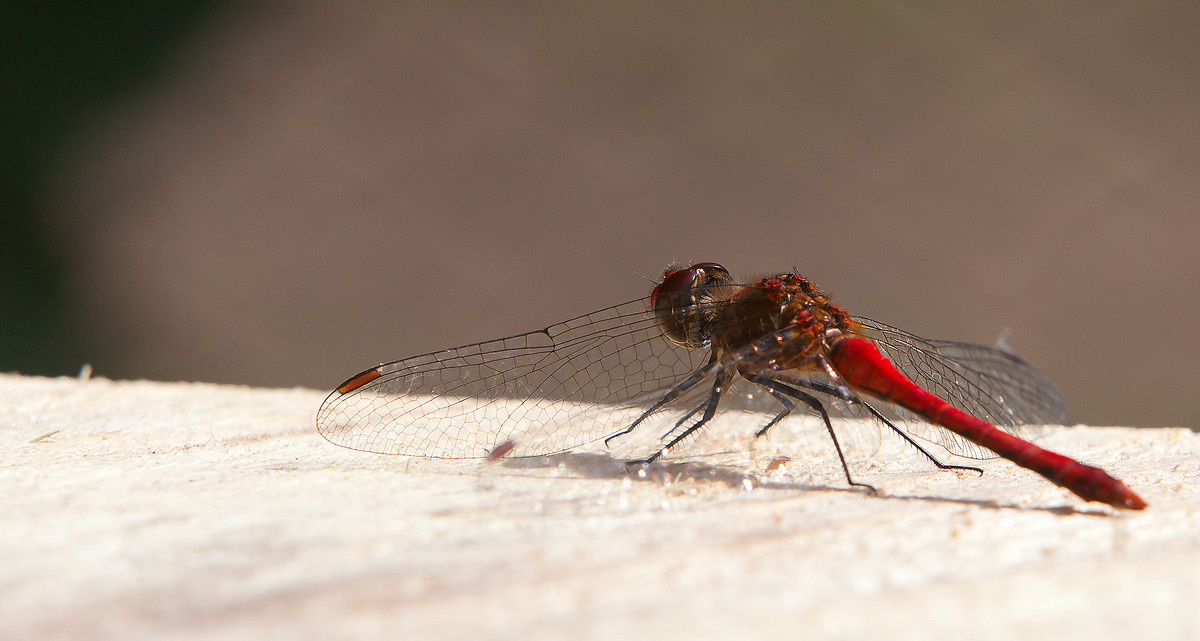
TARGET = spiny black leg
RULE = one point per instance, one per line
(788, 406)
(819, 408)
(837, 393)
(904, 435)
(650, 459)
(786, 402)
(671, 395)
(681, 421)
(710, 408)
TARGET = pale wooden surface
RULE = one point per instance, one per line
(151, 510)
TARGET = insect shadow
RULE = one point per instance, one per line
(599, 465)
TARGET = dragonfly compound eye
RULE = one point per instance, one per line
(683, 302)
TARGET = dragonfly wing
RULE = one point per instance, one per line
(986, 382)
(547, 391)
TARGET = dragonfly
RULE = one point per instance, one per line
(677, 352)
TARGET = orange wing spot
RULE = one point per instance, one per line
(358, 380)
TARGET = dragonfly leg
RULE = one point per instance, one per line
(686, 418)
(672, 394)
(786, 402)
(779, 387)
(837, 392)
(710, 408)
(788, 406)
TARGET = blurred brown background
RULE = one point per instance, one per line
(286, 194)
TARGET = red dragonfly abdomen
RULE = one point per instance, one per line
(867, 370)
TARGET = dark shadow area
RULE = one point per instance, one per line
(599, 465)
(62, 66)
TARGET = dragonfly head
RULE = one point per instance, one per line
(684, 302)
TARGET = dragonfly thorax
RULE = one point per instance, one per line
(784, 319)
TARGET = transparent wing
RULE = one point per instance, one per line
(591, 377)
(543, 392)
(988, 383)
